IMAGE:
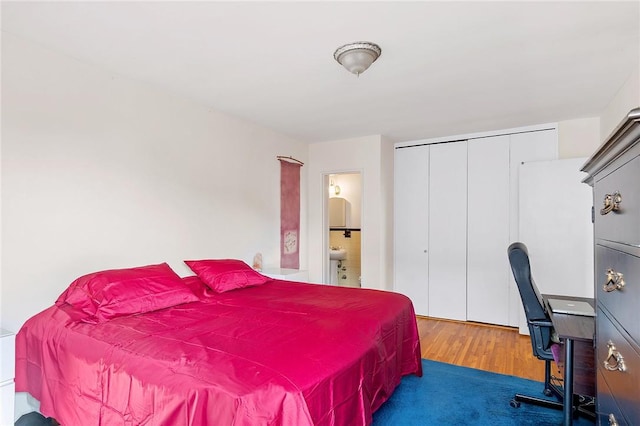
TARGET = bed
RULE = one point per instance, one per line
(272, 353)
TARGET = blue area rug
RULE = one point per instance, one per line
(451, 395)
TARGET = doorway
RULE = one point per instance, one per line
(343, 224)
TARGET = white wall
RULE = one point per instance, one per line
(578, 138)
(385, 266)
(369, 155)
(102, 172)
(627, 98)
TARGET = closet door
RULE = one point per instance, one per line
(448, 230)
(411, 257)
(488, 230)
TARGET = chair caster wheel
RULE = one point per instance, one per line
(514, 403)
(547, 392)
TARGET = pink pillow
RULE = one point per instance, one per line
(225, 274)
(198, 287)
(109, 294)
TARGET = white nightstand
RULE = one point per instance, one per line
(7, 374)
(286, 274)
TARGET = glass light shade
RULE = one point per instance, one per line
(356, 61)
(357, 57)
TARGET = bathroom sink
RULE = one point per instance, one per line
(337, 254)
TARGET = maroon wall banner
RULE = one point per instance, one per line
(289, 215)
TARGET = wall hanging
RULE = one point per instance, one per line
(290, 212)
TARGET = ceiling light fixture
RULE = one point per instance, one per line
(357, 57)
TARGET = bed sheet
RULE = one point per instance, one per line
(281, 353)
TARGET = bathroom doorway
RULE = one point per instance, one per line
(343, 221)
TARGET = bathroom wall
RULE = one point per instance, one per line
(351, 190)
(349, 275)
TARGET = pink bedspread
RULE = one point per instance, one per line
(278, 354)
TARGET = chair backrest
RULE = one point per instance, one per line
(531, 298)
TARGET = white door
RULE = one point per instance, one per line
(488, 230)
(525, 147)
(448, 230)
(411, 257)
(555, 225)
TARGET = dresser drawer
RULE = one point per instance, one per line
(624, 302)
(607, 409)
(623, 384)
(622, 225)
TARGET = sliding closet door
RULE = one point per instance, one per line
(448, 231)
(488, 230)
(411, 257)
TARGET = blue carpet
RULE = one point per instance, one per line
(451, 395)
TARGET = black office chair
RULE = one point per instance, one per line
(539, 323)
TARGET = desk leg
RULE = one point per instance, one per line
(567, 410)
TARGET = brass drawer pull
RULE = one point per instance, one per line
(612, 420)
(615, 281)
(618, 361)
(611, 203)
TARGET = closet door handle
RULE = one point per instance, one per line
(618, 361)
(611, 203)
(615, 281)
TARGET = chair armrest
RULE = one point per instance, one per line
(541, 332)
(541, 323)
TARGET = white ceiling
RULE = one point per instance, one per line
(446, 67)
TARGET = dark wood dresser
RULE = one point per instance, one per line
(614, 173)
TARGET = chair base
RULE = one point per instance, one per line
(585, 406)
(582, 406)
(518, 398)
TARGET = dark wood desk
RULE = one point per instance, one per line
(576, 331)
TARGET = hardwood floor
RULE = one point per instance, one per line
(485, 347)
